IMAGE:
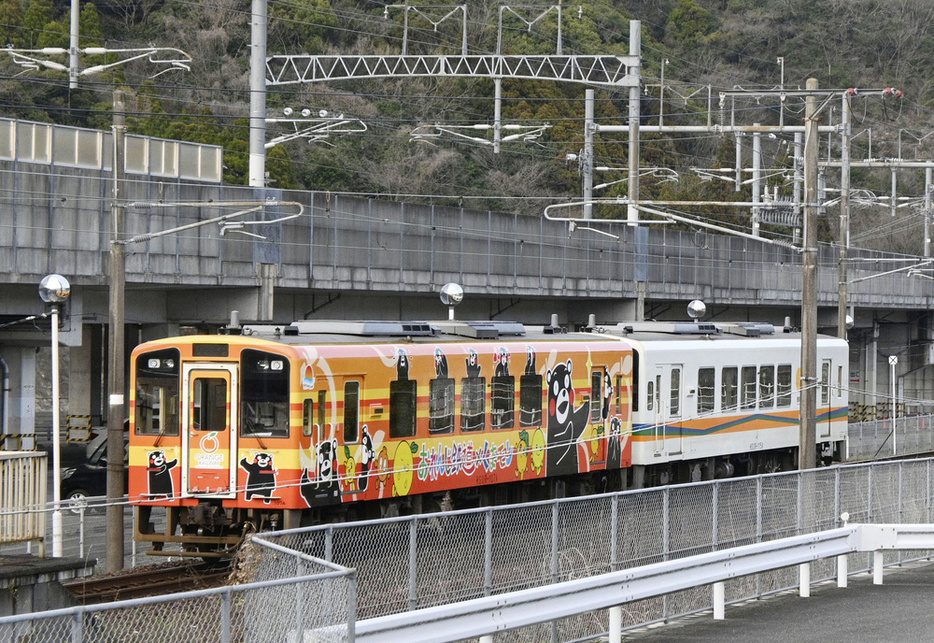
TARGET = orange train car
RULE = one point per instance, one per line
(292, 425)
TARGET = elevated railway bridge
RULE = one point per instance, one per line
(347, 257)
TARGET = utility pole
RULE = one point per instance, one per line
(587, 156)
(257, 171)
(807, 448)
(844, 216)
(116, 472)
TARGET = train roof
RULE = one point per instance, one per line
(378, 331)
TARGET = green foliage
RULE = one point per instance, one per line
(689, 23)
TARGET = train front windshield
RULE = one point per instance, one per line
(264, 410)
(157, 392)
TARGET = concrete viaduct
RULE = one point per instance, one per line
(352, 258)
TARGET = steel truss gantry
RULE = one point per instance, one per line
(615, 71)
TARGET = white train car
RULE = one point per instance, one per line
(717, 400)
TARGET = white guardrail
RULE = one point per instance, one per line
(483, 617)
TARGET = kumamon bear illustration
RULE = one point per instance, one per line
(261, 477)
(565, 423)
(160, 478)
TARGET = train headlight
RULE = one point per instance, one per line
(276, 365)
(154, 362)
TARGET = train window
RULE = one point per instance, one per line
(157, 393)
(308, 417)
(825, 383)
(674, 392)
(728, 385)
(441, 405)
(473, 403)
(209, 404)
(503, 402)
(766, 387)
(322, 415)
(530, 400)
(635, 381)
(650, 395)
(748, 387)
(351, 411)
(783, 385)
(596, 396)
(403, 399)
(839, 381)
(264, 394)
(706, 383)
(619, 394)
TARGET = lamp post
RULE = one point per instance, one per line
(54, 290)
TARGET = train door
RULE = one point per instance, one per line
(208, 418)
(823, 406)
(669, 404)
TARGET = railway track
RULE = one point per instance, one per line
(150, 580)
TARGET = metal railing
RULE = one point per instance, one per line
(23, 490)
(504, 612)
(286, 593)
(430, 560)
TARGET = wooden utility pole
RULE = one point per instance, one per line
(807, 443)
(116, 472)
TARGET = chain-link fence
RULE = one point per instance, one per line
(281, 596)
(84, 533)
(420, 561)
(890, 436)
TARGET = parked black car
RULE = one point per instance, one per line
(88, 479)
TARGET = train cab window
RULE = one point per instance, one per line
(308, 417)
(157, 393)
(728, 386)
(351, 411)
(441, 405)
(530, 400)
(825, 383)
(403, 406)
(596, 396)
(264, 394)
(748, 387)
(706, 382)
(473, 403)
(766, 387)
(503, 402)
(674, 392)
(783, 385)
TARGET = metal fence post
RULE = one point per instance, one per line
(225, 617)
(554, 541)
(413, 571)
(666, 535)
(329, 544)
(77, 627)
(488, 552)
(800, 517)
(614, 526)
(715, 513)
